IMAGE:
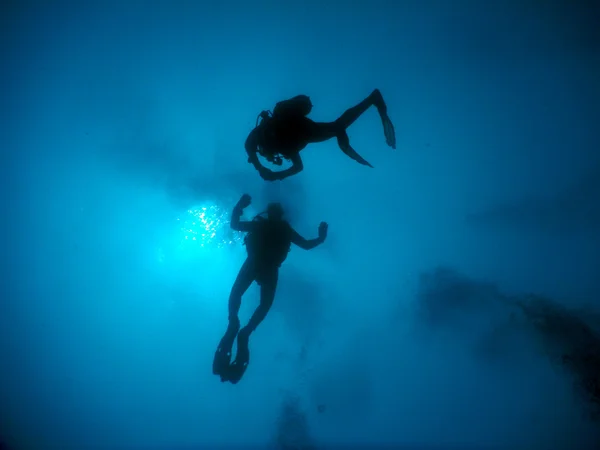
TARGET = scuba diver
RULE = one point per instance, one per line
(287, 130)
(268, 242)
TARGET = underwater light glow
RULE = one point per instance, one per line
(208, 226)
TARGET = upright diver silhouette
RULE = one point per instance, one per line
(268, 242)
(288, 130)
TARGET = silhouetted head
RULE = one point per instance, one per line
(275, 211)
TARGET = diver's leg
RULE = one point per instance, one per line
(374, 99)
(352, 114)
(313, 132)
(243, 281)
(241, 284)
(268, 287)
(267, 295)
(344, 143)
(323, 131)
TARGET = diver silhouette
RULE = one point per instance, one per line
(268, 242)
(288, 130)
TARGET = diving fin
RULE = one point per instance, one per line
(388, 126)
(222, 358)
(355, 156)
(242, 358)
(388, 130)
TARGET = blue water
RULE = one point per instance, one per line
(121, 137)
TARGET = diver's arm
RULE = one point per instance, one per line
(236, 223)
(305, 244)
(297, 167)
(265, 173)
(251, 146)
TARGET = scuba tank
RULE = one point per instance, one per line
(269, 243)
(298, 106)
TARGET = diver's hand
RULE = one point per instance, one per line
(323, 231)
(266, 174)
(244, 201)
